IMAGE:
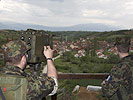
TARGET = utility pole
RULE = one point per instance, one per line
(66, 38)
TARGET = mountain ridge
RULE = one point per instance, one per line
(80, 27)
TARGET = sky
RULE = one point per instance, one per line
(68, 12)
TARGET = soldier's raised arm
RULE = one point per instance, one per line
(48, 52)
(51, 70)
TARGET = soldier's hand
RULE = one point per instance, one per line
(48, 52)
(103, 83)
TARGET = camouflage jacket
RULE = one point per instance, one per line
(38, 86)
(120, 85)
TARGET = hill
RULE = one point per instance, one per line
(80, 27)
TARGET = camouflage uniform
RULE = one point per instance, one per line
(120, 86)
(38, 86)
(15, 48)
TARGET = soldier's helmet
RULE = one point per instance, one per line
(123, 41)
(15, 48)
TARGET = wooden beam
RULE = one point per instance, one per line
(82, 75)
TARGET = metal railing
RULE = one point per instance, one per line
(62, 76)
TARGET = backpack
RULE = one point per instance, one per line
(13, 87)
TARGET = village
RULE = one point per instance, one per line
(83, 44)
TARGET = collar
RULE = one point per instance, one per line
(127, 58)
(13, 70)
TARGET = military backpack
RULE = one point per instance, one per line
(13, 87)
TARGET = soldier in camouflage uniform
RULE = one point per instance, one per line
(16, 58)
(119, 86)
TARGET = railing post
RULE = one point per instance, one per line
(43, 98)
(54, 97)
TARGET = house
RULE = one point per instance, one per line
(103, 44)
(111, 49)
(100, 55)
(72, 46)
(81, 51)
(1, 54)
(79, 55)
(100, 50)
(131, 49)
(76, 55)
(105, 57)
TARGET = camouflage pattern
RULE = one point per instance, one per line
(38, 86)
(14, 48)
(120, 86)
(122, 41)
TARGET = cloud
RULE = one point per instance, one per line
(57, 0)
(67, 12)
(93, 13)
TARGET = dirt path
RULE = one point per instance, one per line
(84, 94)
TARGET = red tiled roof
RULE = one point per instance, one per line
(100, 54)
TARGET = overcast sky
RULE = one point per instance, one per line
(68, 12)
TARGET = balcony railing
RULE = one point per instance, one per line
(67, 76)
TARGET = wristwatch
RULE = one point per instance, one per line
(50, 59)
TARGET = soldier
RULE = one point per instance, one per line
(15, 56)
(119, 86)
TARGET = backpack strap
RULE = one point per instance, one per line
(119, 95)
(2, 95)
